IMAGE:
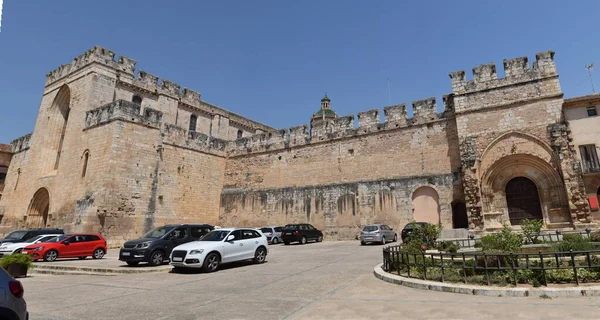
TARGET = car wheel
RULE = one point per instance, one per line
(383, 241)
(156, 258)
(133, 263)
(50, 256)
(260, 255)
(211, 263)
(303, 240)
(286, 243)
(362, 243)
(395, 238)
(320, 238)
(98, 253)
(82, 257)
(18, 250)
(275, 241)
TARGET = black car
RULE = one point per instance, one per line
(302, 233)
(155, 246)
(409, 228)
(26, 234)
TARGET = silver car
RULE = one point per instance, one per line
(379, 233)
(273, 234)
(12, 304)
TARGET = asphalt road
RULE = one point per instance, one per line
(328, 280)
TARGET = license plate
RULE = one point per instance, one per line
(177, 259)
(126, 253)
(24, 252)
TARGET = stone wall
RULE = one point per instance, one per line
(342, 179)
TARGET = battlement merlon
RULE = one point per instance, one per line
(96, 54)
(125, 68)
(516, 71)
(21, 144)
(424, 110)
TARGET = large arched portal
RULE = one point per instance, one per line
(523, 200)
(425, 205)
(37, 214)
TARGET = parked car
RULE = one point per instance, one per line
(26, 234)
(155, 246)
(221, 246)
(273, 234)
(409, 228)
(16, 247)
(12, 303)
(301, 233)
(68, 246)
(381, 233)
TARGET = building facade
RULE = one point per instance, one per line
(5, 156)
(118, 153)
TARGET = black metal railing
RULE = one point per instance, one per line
(499, 268)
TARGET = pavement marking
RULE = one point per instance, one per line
(327, 295)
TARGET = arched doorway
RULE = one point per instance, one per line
(37, 214)
(459, 216)
(523, 200)
(425, 205)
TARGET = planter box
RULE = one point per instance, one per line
(17, 270)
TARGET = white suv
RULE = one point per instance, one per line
(221, 246)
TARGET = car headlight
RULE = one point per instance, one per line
(143, 245)
(37, 249)
(3, 247)
(197, 251)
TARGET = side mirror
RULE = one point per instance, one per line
(230, 238)
(66, 242)
(391, 228)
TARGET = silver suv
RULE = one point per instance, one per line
(12, 304)
(380, 233)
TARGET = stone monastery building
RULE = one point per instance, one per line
(120, 152)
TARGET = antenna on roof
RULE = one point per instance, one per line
(590, 68)
(389, 93)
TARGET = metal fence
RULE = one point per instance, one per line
(461, 267)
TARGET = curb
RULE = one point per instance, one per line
(78, 270)
(483, 290)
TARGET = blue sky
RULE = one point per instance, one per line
(272, 61)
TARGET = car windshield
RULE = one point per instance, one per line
(34, 239)
(266, 230)
(293, 227)
(58, 239)
(217, 235)
(16, 235)
(157, 232)
(370, 228)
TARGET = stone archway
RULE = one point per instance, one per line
(425, 205)
(37, 213)
(496, 187)
(460, 220)
(522, 200)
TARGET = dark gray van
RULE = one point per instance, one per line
(26, 234)
(156, 245)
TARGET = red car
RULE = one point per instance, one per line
(68, 246)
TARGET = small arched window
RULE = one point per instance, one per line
(137, 100)
(193, 119)
(86, 158)
(240, 134)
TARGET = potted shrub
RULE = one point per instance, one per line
(16, 264)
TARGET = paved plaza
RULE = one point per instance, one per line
(328, 280)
